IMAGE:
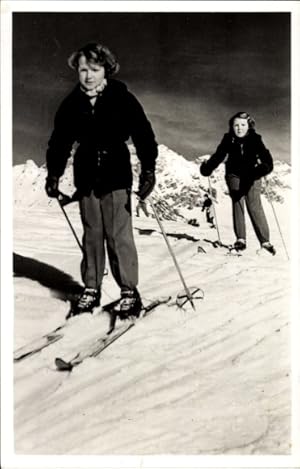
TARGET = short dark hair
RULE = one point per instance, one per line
(242, 115)
(98, 54)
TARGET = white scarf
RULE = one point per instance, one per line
(96, 91)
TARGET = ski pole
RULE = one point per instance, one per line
(62, 201)
(276, 219)
(188, 294)
(215, 214)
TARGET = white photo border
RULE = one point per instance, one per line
(9, 459)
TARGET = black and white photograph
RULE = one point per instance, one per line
(150, 230)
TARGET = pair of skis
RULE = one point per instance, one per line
(231, 250)
(91, 350)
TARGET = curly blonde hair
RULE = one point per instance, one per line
(242, 115)
(95, 53)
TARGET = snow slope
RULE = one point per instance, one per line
(214, 381)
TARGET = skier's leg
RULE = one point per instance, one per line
(210, 217)
(122, 253)
(238, 210)
(256, 212)
(121, 249)
(93, 262)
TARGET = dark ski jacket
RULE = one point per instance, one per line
(206, 204)
(245, 157)
(102, 158)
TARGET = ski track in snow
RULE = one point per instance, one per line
(212, 381)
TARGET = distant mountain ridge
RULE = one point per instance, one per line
(179, 183)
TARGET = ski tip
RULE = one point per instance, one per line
(62, 365)
(18, 358)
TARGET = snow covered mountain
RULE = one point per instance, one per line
(179, 187)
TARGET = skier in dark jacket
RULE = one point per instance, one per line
(247, 160)
(100, 115)
(207, 206)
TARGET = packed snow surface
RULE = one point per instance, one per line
(209, 381)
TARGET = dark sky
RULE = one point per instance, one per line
(191, 72)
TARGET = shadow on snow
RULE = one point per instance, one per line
(148, 232)
(63, 285)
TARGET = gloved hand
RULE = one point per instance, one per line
(204, 169)
(51, 186)
(146, 183)
(259, 171)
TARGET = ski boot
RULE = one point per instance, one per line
(130, 304)
(269, 247)
(239, 245)
(86, 303)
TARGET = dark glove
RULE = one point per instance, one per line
(146, 183)
(51, 186)
(260, 170)
(205, 169)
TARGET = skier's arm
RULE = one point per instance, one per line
(60, 142)
(142, 134)
(264, 164)
(207, 167)
(145, 144)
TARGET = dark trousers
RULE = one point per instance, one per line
(241, 192)
(209, 215)
(107, 221)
